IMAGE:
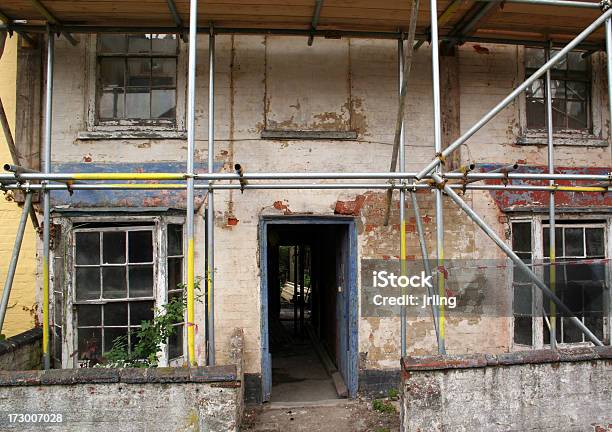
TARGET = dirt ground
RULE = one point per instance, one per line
(335, 416)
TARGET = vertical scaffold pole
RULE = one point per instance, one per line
(609, 76)
(402, 198)
(193, 22)
(435, 76)
(210, 211)
(551, 205)
(47, 197)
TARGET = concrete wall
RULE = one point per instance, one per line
(252, 95)
(22, 351)
(163, 399)
(569, 390)
(20, 315)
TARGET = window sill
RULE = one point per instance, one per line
(131, 134)
(579, 140)
(308, 135)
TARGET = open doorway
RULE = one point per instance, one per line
(309, 309)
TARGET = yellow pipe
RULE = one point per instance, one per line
(45, 307)
(148, 186)
(580, 188)
(128, 176)
(190, 302)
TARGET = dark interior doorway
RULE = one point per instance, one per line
(308, 310)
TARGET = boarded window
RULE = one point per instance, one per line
(308, 89)
(137, 76)
(570, 89)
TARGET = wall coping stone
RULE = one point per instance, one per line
(26, 338)
(167, 375)
(467, 361)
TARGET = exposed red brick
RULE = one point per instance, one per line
(232, 221)
(350, 208)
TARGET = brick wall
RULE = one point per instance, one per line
(23, 351)
(114, 400)
(541, 390)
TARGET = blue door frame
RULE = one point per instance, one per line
(351, 304)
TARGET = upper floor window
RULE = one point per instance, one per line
(571, 92)
(136, 79)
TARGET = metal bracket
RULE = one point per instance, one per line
(605, 5)
(442, 158)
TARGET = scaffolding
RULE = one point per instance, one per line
(430, 177)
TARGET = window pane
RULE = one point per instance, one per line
(536, 90)
(163, 104)
(138, 103)
(113, 247)
(534, 57)
(576, 62)
(175, 343)
(593, 297)
(164, 44)
(140, 246)
(112, 104)
(175, 240)
(141, 281)
(175, 272)
(558, 242)
(112, 43)
(571, 333)
(574, 242)
(112, 72)
(87, 283)
(546, 333)
(594, 322)
(521, 237)
(559, 114)
(577, 115)
(113, 282)
(164, 72)
(557, 89)
(116, 314)
(561, 64)
(90, 345)
(595, 242)
(111, 334)
(140, 311)
(522, 300)
(522, 330)
(87, 248)
(535, 114)
(89, 315)
(139, 44)
(576, 90)
(139, 72)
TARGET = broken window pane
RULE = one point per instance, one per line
(113, 334)
(521, 237)
(87, 248)
(522, 330)
(90, 345)
(87, 283)
(164, 44)
(112, 104)
(175, 272)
